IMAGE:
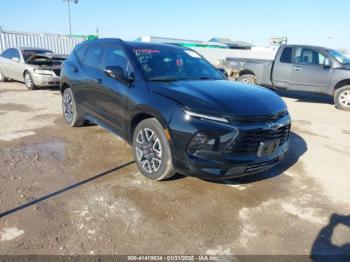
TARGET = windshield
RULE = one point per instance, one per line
(28, 53)
(341, 58)
(171, 64)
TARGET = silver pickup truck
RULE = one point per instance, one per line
(299, 68)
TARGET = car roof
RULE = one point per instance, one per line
(132, 44)
(309, 46)
(135, 44)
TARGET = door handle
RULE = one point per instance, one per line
(75, 69)
(297, 68)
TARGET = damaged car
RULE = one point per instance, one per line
(36, 67)
(179, 113)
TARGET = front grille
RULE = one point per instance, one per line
(248, 142)
(258, 119)
(57, 72)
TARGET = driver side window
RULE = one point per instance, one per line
(114, 56)
(307, 56)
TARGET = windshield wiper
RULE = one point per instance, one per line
(207, 78)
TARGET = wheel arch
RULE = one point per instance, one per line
(139, 116)
(340, 84)
(63, 87)
(246, 72)
(24, 72)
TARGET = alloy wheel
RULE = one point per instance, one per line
(246, 81)
(344, 98)
(28, 80)
(148, 150)
(68, 107)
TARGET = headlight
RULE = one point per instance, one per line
(42, 72)
(189, 114)
(209, 141)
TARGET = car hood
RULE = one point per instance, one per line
(47, 57)
(345, 67)
(221, 97)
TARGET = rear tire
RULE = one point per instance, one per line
(28, 81)
(247, 79)
(342, 98)
(152, 150)
(2, 77)
(69, 109)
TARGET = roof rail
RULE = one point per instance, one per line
(107, 39)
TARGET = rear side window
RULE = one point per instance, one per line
(11, 53)
(286, 56)
(93, 56)
(81, 51)
(6, 54)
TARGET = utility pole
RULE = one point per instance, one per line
(69, 15)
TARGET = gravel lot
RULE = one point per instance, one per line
(86, 196)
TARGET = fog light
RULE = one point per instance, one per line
(196, 143)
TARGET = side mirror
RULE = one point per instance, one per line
(115, 72)
(15, 59)
(327, 63)
(118, 73)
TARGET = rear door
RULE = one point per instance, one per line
(309, 71)
(282, 68)
(87, 94)
(5, 56)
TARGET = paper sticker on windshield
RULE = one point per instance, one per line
(140, 51)
(193, 54)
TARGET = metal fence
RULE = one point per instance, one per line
(63, 44)
(60, 44)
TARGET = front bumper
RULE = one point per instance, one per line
(219, 163)
(232, 167)
(45, 80)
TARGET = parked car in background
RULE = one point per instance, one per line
(179, 113)
(300, 68)
(33, 66)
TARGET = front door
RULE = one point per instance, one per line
(309, 72)
(113, 92)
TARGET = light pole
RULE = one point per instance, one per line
(69, 19)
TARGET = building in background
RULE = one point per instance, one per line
(231, 44)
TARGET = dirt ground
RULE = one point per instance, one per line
(70, 190)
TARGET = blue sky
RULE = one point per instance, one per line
(318, 22)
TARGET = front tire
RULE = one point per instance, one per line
(247, 79)
(69, 109)
(342, 98)
(152, 150)
(2, 77)
(28, 81)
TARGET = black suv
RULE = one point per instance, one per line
(179, 113)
